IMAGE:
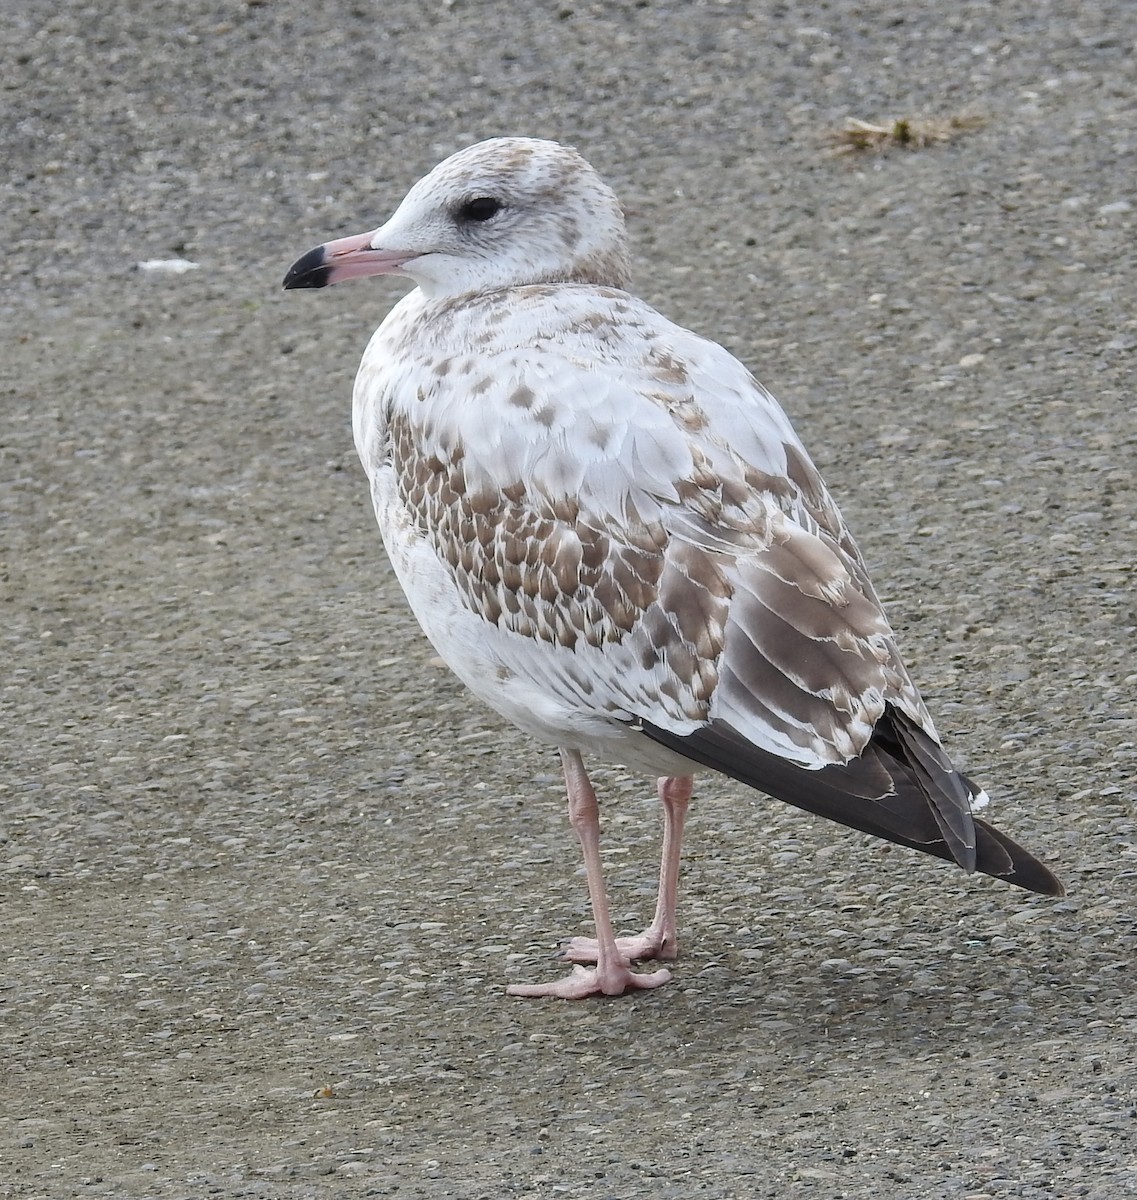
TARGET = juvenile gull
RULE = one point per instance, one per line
(611, 533)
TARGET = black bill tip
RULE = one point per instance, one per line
(308, 271)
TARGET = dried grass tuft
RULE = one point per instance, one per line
(905, 133)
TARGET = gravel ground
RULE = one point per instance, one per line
(265, 869)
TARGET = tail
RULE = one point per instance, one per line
(902, 787)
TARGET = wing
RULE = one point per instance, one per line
(633, 517)
(605, 481)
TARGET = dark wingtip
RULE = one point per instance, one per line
(308, 271)
(877, 793)
(1004, 858)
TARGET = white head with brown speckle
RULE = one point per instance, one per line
(502, 213)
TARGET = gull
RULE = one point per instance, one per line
(611, 533)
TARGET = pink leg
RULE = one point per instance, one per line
(612, 975)
(659, 939)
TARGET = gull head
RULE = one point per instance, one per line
(503, 213)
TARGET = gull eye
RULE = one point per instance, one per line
(479, 208)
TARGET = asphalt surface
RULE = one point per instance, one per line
(265, 869)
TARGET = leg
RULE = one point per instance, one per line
(611, 976)
(660, 935)
(659, 939)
